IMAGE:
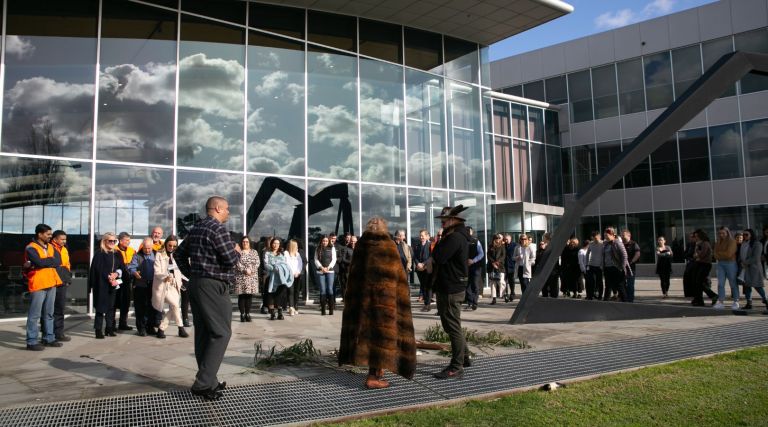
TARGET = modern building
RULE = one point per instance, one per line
(309, 116)
(610, 86)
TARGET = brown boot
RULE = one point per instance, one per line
(372, 382)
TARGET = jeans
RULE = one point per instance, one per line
(726, 270)
(472, 286)
(41, 302)
(326, 283)
(630, 283)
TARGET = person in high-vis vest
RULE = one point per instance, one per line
(41, 261)
(59, 243)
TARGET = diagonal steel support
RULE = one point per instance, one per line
(722, 75)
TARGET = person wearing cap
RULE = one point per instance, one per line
(450, 271)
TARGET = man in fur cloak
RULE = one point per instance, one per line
(377, 326)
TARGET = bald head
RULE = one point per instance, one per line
(218, 208)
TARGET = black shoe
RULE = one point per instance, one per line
(141, 333)
(247, 317)
(714, 300)
(151, 330)
(35, 347)
(221, 386)
(183, 333)
(124, 328)
(52, 344)
(99, 334)
(748, 306)
(272, 315)
(242, 318)
(64, 338)
(474, 307)
(263, 309)
(280, 315)
(467, 362)
(187, 324)
(208, 394)
(426, 308)
(506, 298)
(493, 301)
(160, 334)
(110, 333)
(449, 373)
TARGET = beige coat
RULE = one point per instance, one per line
(162, 289)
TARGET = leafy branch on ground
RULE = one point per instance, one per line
(298, 354)
(436, 333)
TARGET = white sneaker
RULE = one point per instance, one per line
(719, 305)
(735, 305)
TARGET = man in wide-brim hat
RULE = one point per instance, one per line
(450, 278)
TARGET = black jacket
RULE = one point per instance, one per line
(450, 256)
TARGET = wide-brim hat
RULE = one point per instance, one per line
(452, 212)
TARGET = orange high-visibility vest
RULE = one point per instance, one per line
(41, 278)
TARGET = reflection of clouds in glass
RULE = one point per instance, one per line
(191, 197)
(273, 156)
(212, 85)
(201, 135)
(343, 169)
(335, 126)
(52, 103)
(380, 162)
(274, 84)
(20, 47)
(152, 85)
(255, 121)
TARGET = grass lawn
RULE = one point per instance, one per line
(728, 390)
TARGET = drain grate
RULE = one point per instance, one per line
(341, 394)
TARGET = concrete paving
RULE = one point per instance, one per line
(127, 364)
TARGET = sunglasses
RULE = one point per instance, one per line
(111, 241)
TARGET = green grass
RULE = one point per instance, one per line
(724, 390)
(435, 333)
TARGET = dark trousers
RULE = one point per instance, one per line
(594, 279)
(142, 305)
(449, 307)
(472, 285)
(524, 281)
(510, 277)
(244, 303)
(185, 304)
(550, 287)
(615, 281)
(664, 277)
(122, 302)
(98, 321)
(699, 274)
(425, 285)
(59, 305)
(212, 310)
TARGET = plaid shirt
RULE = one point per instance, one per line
(208, 251)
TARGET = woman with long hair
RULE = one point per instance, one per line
(496, 256)
(525, 258)
(663, 264)
(725, 254)
(107, 269)
(246, 278)
(293, 259)
(751, 250)
(166, 287)
(702, 258)
(280, 277)
(325, 260)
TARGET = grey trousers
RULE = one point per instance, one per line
(449, 307)
(212, 311)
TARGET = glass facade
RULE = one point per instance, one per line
(307, 122)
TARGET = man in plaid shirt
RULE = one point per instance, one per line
(208, 256)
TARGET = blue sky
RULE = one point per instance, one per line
(589, 17)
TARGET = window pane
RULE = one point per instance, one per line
(342, 213)
(686, 63)
(503, 168)
(753, 41)
(381, 40)
(385, 202)
(758, 219)
(225, 10)
(275, 105)
(725, 150)
(521, 170)
(329, 29)
(501, 123)
(461, 60)
(464, 145)
(584, 167)
(536, 124)
(519, 121)
(607, 152)
(604, 87)
(554, 176)
(425, 124)
(485, 66)
(271, 201)
(580, 94)
(557, 90)
(587, 225)
(641, 227)
(423, 206)
(694, 155)
(670, 225)
(712, 51)
(194, 188)
(534, 90)
(756, 146)
(137, 84)
(552, 127)
(658, 80)
(664, 164)
(332, 115)
(381, 118)
(423, 50)
(735, 218)
(631, 96)
(211, 95)
(133, 199)
(52, 53)
(567, 171)
(699, 218)
(640, 176)
(513, 90)
(288, 21)
(538, 173)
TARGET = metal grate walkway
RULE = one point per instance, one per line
(340, 394)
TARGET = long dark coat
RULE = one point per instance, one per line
(377, 326)
(102, 265)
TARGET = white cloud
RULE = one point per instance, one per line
(616, 19)
(335, 126)
(620, 18)
(212, 85)
(152, 85)
(658, 7)
(19, 47)
(276, 83)
(274, 156)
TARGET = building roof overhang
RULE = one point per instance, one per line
(481, 21)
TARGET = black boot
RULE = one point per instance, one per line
(242, 317)
(322, 305)
(99, 334)
(280, 314)
(271, 314)
(110, 332)
(493, 301)
(331, 304)
(183, 333)
(749, 305)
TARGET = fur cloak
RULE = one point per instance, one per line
(377, 326)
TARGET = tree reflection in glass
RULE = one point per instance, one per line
(194, 188)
